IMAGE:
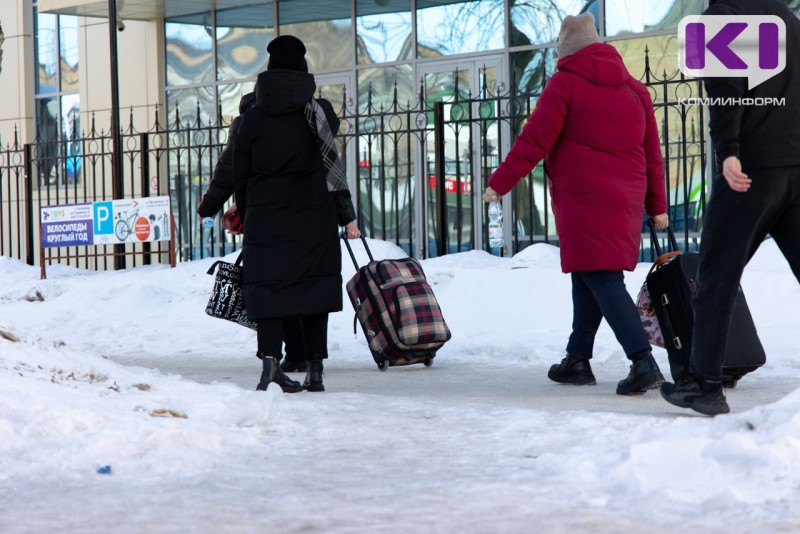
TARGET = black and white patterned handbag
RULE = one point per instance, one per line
(227, 301)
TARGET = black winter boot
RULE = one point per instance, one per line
(313, 381)
(272, 373)
(572, 370)
(644, 374)
(702, 396)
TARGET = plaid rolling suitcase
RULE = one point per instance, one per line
(397, 310)
(671, 285)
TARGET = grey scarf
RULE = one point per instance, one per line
(315, 115)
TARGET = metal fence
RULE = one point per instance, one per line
(419, 171)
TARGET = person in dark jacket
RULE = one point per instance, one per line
(219, 191)
(596, 126)
(755, 192)
(292, 201)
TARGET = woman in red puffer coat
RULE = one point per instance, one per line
(595, 126)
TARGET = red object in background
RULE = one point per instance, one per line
(450, 185)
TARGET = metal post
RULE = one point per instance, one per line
(144, 165)
(439, 172)
(28, 203)
(117, 185)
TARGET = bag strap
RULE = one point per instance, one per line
(663, 257)
(214, 265)
(654, 238)
(343, 235)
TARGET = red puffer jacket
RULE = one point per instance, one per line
(595, 125)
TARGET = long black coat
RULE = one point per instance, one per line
(292, 257)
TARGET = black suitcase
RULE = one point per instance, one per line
(671, 286)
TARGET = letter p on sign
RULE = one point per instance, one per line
(732, 46)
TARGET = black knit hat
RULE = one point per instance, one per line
(286, 52)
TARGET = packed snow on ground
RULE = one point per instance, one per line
(479, 442)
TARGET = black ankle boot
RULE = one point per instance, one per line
(699, 395)
(572, 370)
(644, 374)
(272, 373)
(289, 365)
(313, 381)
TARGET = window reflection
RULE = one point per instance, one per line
(70, 136)
(46, 53)
(636, 16)
(329, 41)
(386, 176)
(68, 50)
(189, 50)
(70, 116)
(229, 97)
(377, 86)
(531, 69)
(662, 54)
(538, 21)
(242, 38)
(47, 130)
(384, 31)
(191, 106)
(446, 28)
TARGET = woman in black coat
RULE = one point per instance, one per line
(291, 213)
(219, 191)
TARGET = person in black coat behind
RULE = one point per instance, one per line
(219, 191)
(755, 192)
(292, 204)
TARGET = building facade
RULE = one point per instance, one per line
(392, 69)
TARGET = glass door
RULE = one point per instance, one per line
(464, 92)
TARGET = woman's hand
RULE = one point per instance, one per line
(661, 221)
(352, 230)
(490, 195)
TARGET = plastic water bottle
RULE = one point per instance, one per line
(208, 222)
(495, 225)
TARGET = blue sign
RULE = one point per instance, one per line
(103, 218)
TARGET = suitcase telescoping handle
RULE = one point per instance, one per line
(654, 238)
(350, 250)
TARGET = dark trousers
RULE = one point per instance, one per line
(599, 294)
(312, 341)
(734, 226)
(293, 339)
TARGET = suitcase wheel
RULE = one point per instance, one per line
(428, 361)
(384, 365)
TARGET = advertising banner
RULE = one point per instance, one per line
(67, 226)
(130, 220)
